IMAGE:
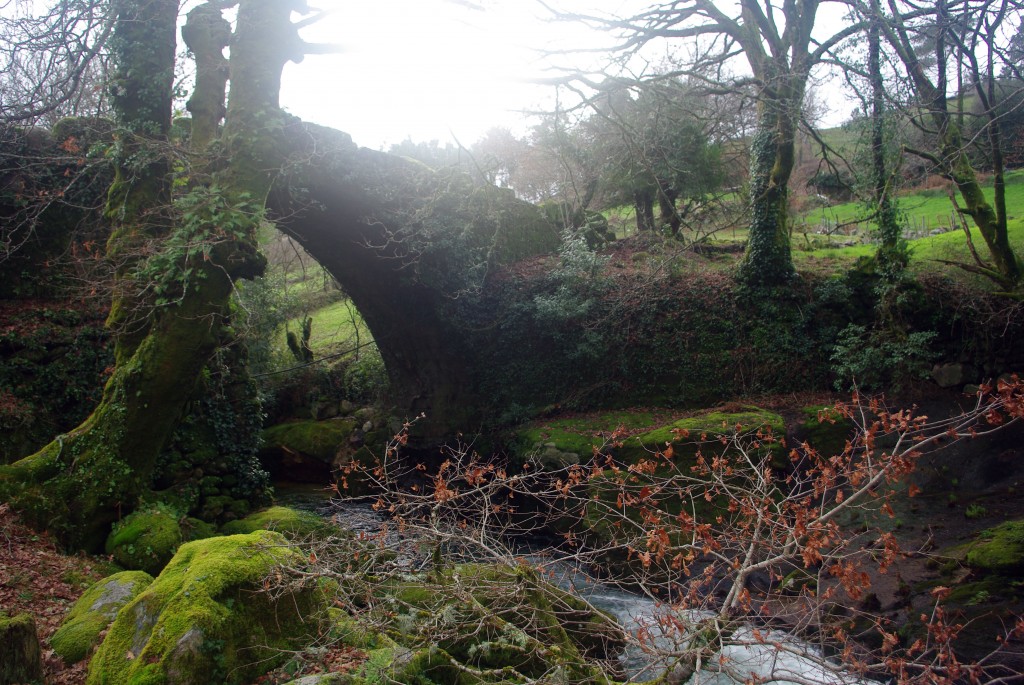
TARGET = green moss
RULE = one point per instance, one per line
(987, 591)
(292, 523)
(824, 429)
(712, 425)
(481, 623)
(205, 618)
(352, 633)
(74, 485)
(317, 439)
(579, 435)
(93, 613)
(145, 540)
(428, 666)
(999, 549)
(196, 529)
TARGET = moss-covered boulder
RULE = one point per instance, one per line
(307, 451)
(207, 619)
(824, 429)
(757, 427)
(292, 523)
(651, 476)
(145, 540)
(565, 441)
(480, 623)
(630, 436)
(999, 550)
(94, 612)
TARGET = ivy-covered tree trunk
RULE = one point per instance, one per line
(176, 263)
(892, 255)
(768, 260)
(951, 157)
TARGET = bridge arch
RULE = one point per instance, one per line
(406, 243)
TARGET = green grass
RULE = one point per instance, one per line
(336, 327)
(924, 209)
(930, 208)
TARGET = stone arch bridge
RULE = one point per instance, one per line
(409, 245)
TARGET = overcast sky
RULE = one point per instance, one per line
(449, 70)
(428, 69)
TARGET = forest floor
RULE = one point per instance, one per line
(37, 578)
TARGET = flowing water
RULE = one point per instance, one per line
(775, 658)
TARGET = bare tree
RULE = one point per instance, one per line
(931, 41)
(53, 64)
(779, 45)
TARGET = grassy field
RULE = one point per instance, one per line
(930, 208)
(925, 210)
(336, 327)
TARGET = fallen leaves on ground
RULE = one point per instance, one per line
(36, 578)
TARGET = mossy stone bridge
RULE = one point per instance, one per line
(409, 245)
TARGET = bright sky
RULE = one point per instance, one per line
(446, 70)
(428, 69)
(441, 70)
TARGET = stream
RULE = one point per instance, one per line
(778, 656)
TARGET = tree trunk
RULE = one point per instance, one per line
(20, 654)
(643, 203)
(768, 261)
(892, 253)
(990, 222)
(667, 207)
(78, 484)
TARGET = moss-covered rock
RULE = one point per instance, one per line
(620, 501)
(323, 679)
(999, 549)
(145, 540)
(94, 612)
(622, 435)
(206, 618)
(824, 429)
(562, 442)
(640, 453)
(292, 523)
(307, 451)
(691, 434)
(477, 623)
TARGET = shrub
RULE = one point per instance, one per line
(875, 359)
